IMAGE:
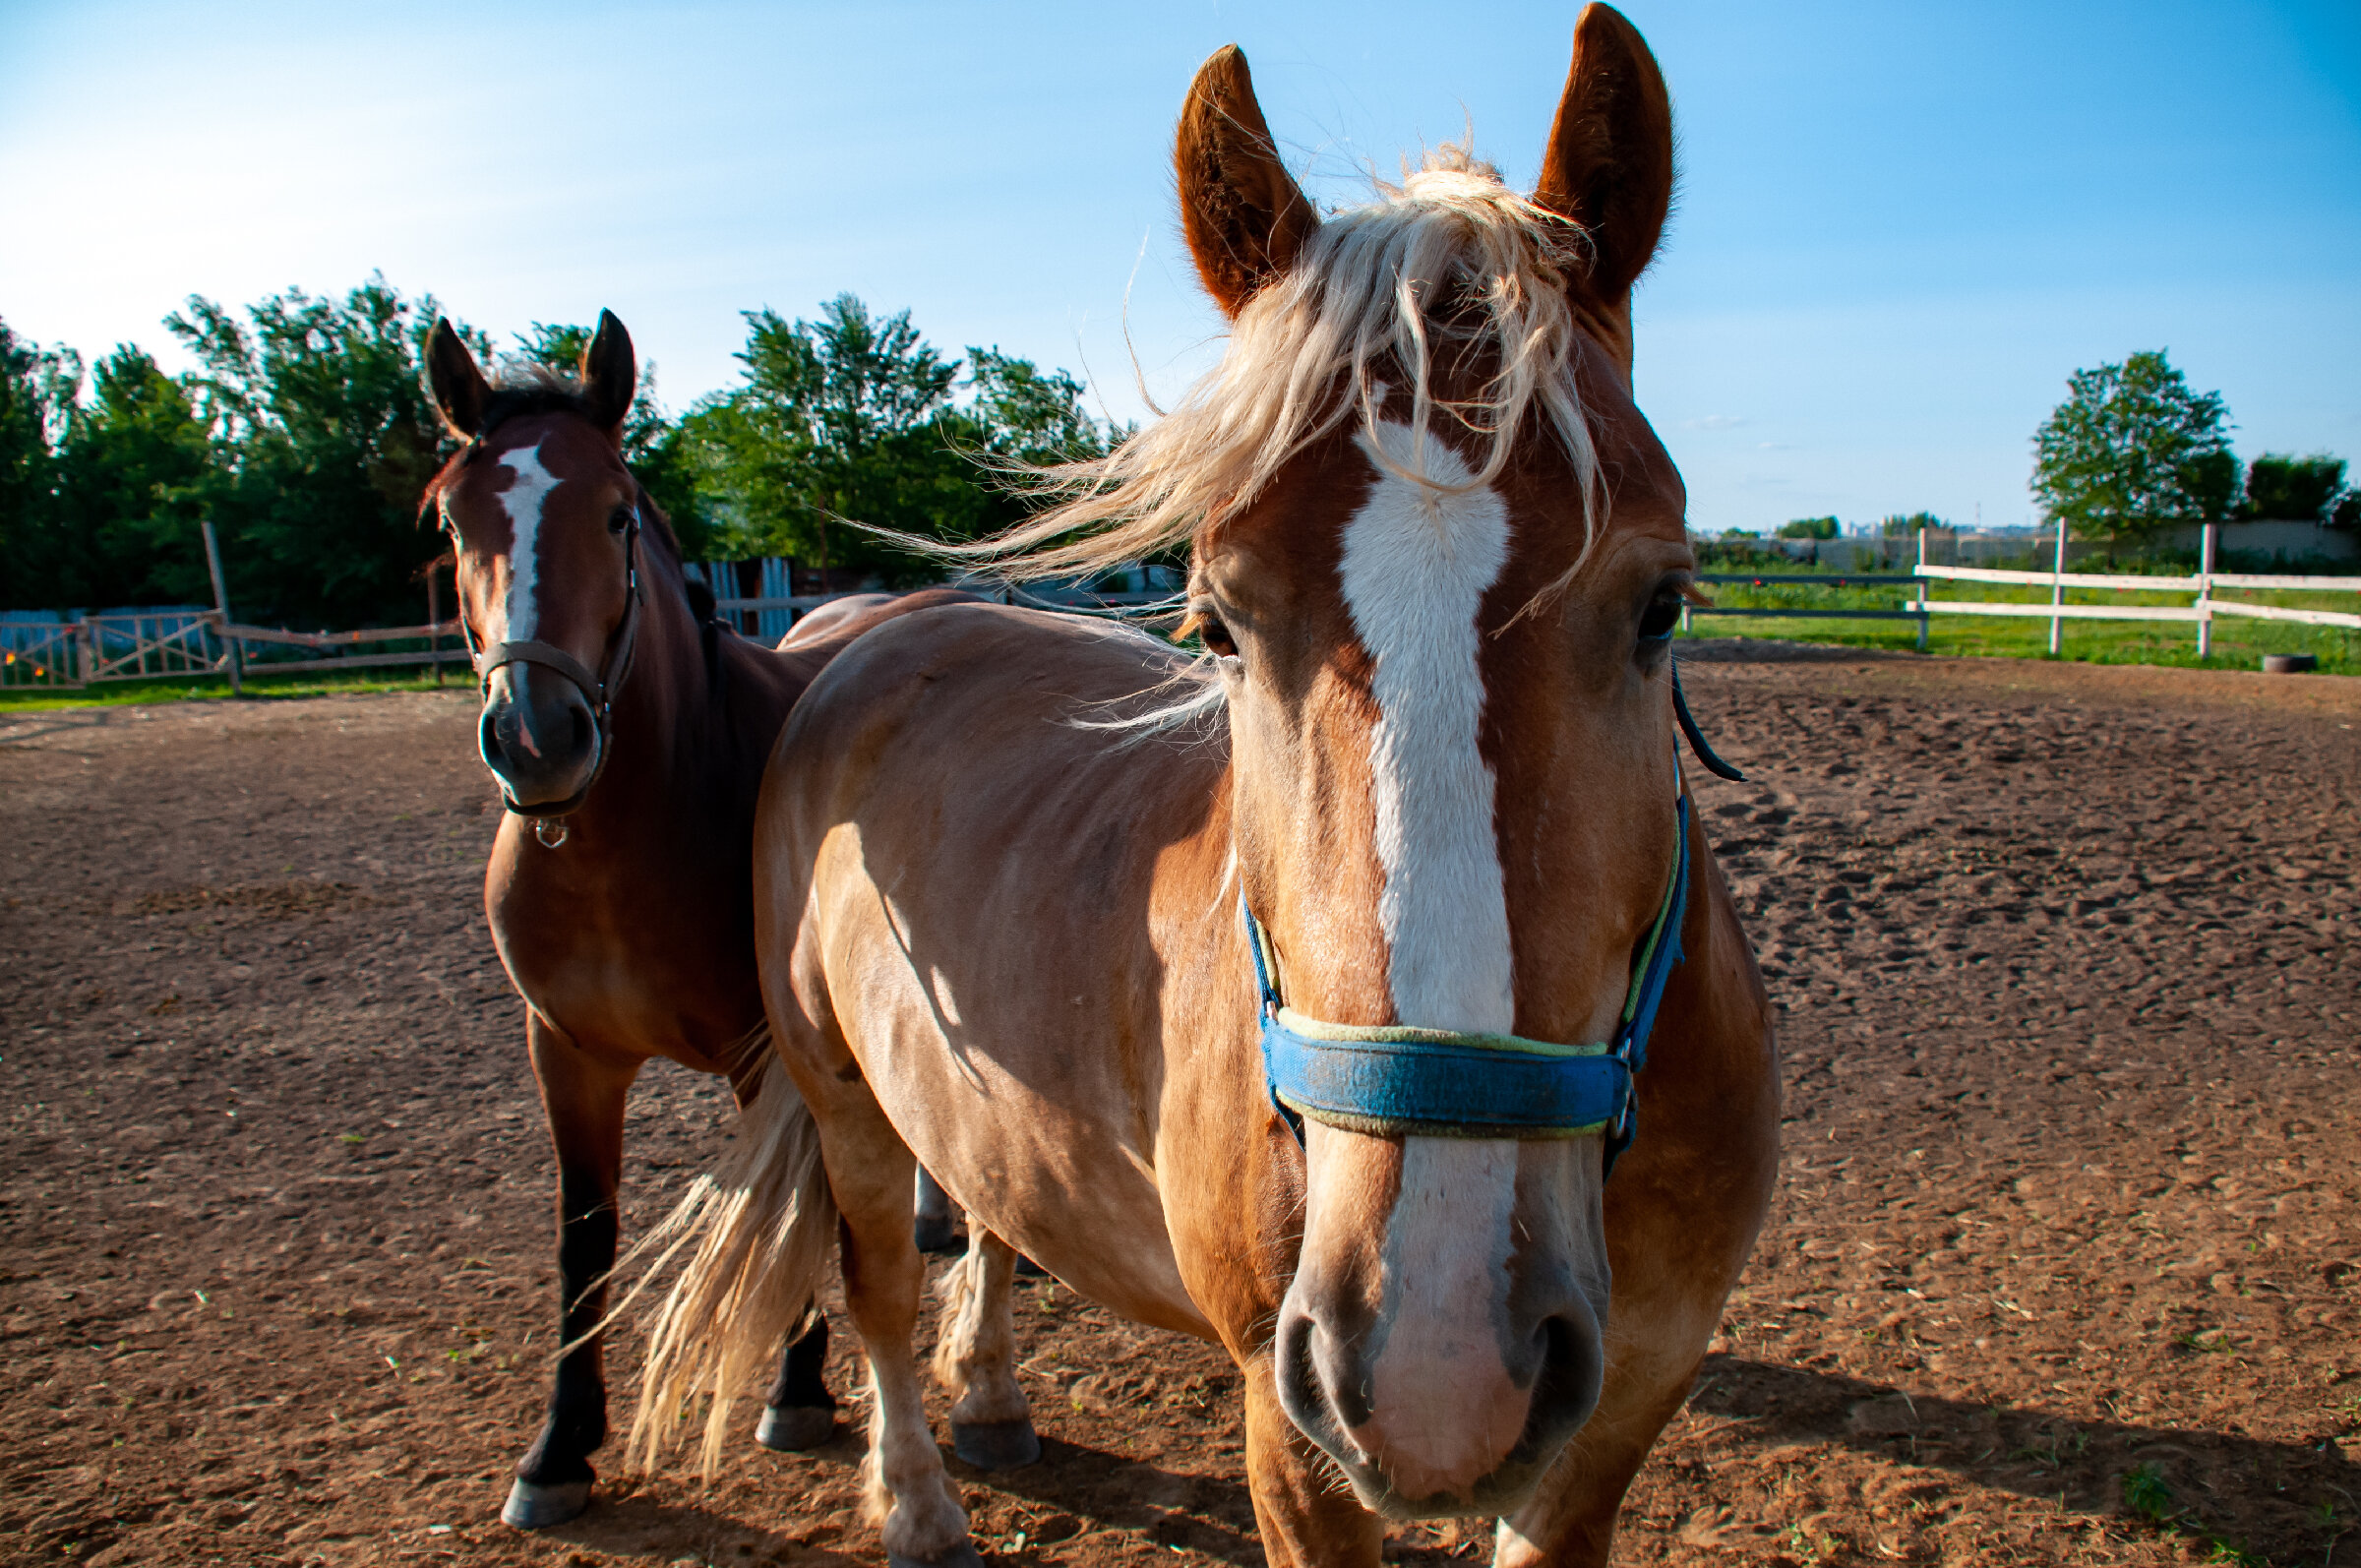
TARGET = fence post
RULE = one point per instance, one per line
(2057, 590)
(2205, 597)
(229, 643)
(1922, 611)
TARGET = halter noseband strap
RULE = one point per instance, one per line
(1394, 1079)
(1397, 1080)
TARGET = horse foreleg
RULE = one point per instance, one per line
(936, 1225)
(869, 1173)
(583, 1096)
(975, 1360)
(799, 1412)
(1304, 1507)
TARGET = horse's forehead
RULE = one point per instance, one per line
(539, 455)
(1302, 524)
(565, 448)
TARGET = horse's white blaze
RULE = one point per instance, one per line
(1416, 566)
(522, 501)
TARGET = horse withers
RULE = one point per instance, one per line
(627, 732)
(1360, 994)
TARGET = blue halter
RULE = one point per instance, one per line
(1396, 1080)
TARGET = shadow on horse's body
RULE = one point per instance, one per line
(1208, 984)
(629, 731)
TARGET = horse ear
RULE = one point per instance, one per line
(610, 375)
(458, 387)
(1244, 214)
(1609, 163)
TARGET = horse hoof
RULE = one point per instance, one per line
(532, 1507)
(996, 1445)
(789, 1427)
(935, 1232)
(963, 1555)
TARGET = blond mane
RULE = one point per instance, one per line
(1449, 247)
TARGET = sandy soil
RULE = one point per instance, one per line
(2066, 961)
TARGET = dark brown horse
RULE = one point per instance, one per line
(629, 731)
(1300, 997)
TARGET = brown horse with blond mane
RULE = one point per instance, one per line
(627, 730)
(1153, 962)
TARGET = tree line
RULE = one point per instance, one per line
(304, 435)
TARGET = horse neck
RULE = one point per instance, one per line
(688, 748)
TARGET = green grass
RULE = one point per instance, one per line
(2237, 644)
(216, 688)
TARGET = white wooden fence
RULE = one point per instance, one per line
(2202, 583)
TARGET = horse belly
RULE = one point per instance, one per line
(1020, 1120)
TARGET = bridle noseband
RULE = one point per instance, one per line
(1394, 1080)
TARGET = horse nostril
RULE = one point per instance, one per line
(1573, 1366)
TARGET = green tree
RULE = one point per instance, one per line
(853, 419)
(2134, 452)
(134, 473)
(1032, 415)
(2293, 489)
(1898, 526)
(324, 439)
(1809, 528)
(39, 392)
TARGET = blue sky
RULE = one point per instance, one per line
(1901, 226)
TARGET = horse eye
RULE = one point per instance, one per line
(1216, 638)
(1658, 619)
(622, 518)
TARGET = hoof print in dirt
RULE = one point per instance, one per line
(791, 1427)
(962, 1555)
(532, 1507)
(996, 1445)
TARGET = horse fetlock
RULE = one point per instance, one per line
(559, 1456)
(928, 1527)
(907, 1497)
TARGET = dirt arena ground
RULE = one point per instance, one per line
(2064, 1269)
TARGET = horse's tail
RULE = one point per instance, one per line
(762, 1224)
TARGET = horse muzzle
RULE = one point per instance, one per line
(1481, 1453)
(1443, 1353)
(540, 738)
